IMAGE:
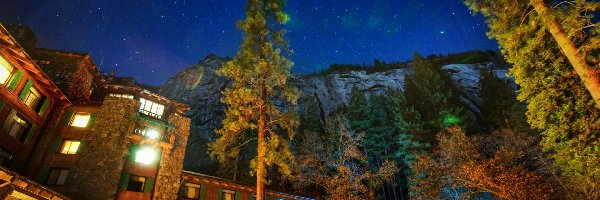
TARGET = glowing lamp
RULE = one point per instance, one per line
(451, 120)
(145, 155)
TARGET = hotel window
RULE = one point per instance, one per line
(228, 195)
(192, 191)
(15, 126)
(33, 98)
(5, 157)
(57, 176)
(136, 183)
(6, 71)
(151, 108)
(80, 120)
(70, 147)
(125, 96)
(149, 133)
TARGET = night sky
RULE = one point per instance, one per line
(153, 40)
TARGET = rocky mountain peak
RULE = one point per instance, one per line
(200, 87)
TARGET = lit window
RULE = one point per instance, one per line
(192, 191)
(33, 98)
(80, 119)
(148, 132)
(15, 126)
(6, 71)
(125, 96)
(228, 195)
(57, 176)
(70, 147)
(151, 108)
(145, 155)
(136, 183)
(152, 134)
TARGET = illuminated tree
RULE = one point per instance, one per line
(259, 72)
(338, 166)
(466, 168)
(554, 50)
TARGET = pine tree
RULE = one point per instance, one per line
(559, 100)
(358, 111)
(500, 109)
(438, 106)
(259, 72)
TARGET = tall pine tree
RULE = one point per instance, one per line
(438, 106)
(501, 110)
(559, 100)
(259, 72)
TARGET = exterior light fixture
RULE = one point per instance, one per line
(146, 155)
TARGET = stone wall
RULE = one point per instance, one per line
(171, 162)
(103, 157)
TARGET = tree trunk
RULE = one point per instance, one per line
(587, 74)
(260, 159)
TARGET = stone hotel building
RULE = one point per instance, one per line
(70, 132)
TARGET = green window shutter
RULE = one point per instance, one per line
(202, 192)
(220, 193)
(25, 90)
(44, 107)
(181, 189)
(237, 195)
(56, 145)
(41, 178)
(132, 150)
(30, 134)
(124, 181)
(15, 81)
(149, 185)
(69, 178)
(67, 118)
(81, 146)
(92, 120)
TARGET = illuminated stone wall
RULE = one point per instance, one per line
(171, 163)
(102, 160)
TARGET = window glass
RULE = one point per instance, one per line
(70, 147)
(136, 183)
(228, 195)
(125, 96)
(6, 71)
(148, 132)
(57, 176)
(192, 191)
(5, 157)
(151, 108)
(80, 119)
(33, 98)
(16, 126)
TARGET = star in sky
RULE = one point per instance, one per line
(153, 40)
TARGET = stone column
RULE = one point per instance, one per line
(102, 159)
(171, 161)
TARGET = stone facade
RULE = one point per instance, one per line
(171, 163)
(103, 158)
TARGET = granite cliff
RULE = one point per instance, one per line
(200, 87)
